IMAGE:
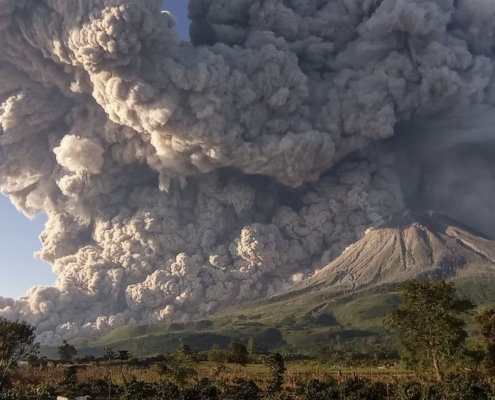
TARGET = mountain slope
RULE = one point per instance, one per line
(426, 247)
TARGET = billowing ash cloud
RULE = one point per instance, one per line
(183, 177)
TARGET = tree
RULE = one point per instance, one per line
(250, 346)
(275, 362)
(66, 352)
(17, 341)
(109, 354)
(124, 355)
(178, 369)
(238, 353)
(186, 354)
(216, 354)
(485, 319)
(429, 322)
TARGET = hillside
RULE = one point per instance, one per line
(345, 301)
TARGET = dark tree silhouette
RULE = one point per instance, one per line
(17, 341)
(66, 352)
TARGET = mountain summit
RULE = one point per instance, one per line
(429, 246)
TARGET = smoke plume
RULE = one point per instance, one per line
(180, 177)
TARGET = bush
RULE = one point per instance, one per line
(168, 391)
(317, 390)
(433, 391)
(409, 391)
(136, 391)
(462, 388)
(358, 389)
(217, 355)
(245, 390)
(207, 390)
(44, 391)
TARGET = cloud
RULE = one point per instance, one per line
(179, 177)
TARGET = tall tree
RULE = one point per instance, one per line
(485, 319)
(238, 353)
(17, 341)
(276, 364)
(66, 352)
(429, 322)
(250, 346)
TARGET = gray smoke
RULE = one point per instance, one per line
(180, 178)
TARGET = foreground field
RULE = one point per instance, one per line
(228, 373)
(214, 381)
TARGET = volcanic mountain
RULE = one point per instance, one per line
(430, 246)
(348, 298)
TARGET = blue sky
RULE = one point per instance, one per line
(19, 270)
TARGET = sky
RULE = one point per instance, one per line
(19, 270)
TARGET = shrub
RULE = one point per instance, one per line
(136, 391)
(410, 390)
(245, 390)
(317, 390)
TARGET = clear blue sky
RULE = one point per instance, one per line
(19, 270)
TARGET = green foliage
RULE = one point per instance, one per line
(124, 355)
(16, 342)
(136, 391)
(317, 390)
(217, 355)
(410, 390)
(178, 367)
(186, 354)
(245, 390)
(465, 388)
(16, 394)
(430, 322)
(69, 376)
(276, 364)
(69, 386)
(66, 352)
(207, 390)
(109, 354)
(237, 353)
(251, 348)
(358, 389)
(44, 391)
(168, 390)
(485, 320)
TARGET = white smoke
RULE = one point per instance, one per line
(79, 155)
(181, 178)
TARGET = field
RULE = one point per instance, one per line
(296, 372)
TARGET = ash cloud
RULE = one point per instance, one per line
(180, 178)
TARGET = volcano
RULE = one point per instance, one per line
(430, 246)
(350, 296)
